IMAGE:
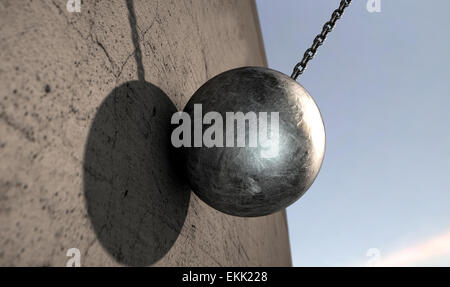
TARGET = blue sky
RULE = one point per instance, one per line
(382, 83)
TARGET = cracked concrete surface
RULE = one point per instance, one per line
(56, 70)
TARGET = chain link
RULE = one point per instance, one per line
(319, 39)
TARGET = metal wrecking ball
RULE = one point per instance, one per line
(239, 180)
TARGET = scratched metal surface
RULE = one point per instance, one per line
(256, 180)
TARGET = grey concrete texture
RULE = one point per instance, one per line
(83, 159)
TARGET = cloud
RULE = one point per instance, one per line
(418, 254)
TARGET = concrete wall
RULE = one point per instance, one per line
(83, 124)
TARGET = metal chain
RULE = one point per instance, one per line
(319, 39)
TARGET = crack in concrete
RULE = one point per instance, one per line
(69, 23)
(26, 133)
(110, 59)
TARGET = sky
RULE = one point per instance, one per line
(382, 83)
